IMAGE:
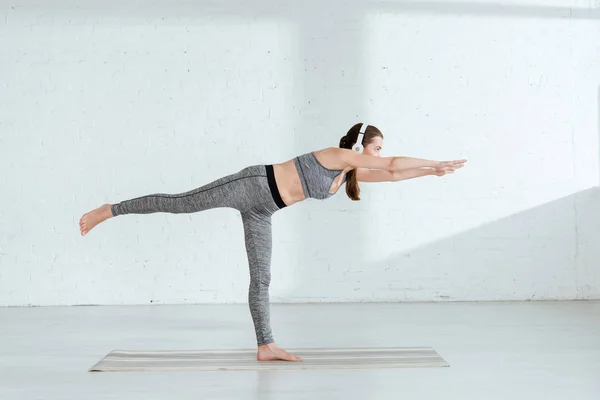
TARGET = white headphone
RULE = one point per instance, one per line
(358, 147)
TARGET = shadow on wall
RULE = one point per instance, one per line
(548, 252)
(326, 50)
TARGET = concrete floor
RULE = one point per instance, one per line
(528, 350)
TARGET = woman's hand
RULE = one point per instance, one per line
(441, 171)
(446, 167)
(455, 163)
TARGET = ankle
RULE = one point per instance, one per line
(108, 210)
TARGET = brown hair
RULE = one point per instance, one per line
(346, 142)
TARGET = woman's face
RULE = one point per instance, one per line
(374, 148)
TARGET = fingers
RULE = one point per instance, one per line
(453, 162)
(441, 171)
(448, 167)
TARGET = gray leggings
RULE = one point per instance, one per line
(254, 193)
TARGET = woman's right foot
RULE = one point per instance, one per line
(91, 219)
(271, 352)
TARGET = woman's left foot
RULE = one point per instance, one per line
(91, 219)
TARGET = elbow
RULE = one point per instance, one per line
(393, 165)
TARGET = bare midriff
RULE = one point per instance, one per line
(288, 182)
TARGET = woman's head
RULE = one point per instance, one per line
(372, 142)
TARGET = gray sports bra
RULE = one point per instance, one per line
(315, 178)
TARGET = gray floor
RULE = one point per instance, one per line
(528, 350)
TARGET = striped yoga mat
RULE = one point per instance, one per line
(245, 360)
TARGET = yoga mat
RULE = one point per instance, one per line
(245, 360)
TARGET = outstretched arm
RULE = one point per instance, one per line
(392, 164)
(411, 173)
(380, 175)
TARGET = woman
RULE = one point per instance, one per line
(259, 191)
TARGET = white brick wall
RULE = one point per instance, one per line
(101, 102)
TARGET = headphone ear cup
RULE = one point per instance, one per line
(358, 147)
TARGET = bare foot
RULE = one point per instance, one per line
(93, 218)
(271, 352)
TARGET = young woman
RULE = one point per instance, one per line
(258, 191)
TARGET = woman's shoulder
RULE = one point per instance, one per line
(331, 151)
(331, 157)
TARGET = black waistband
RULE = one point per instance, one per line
(273, 187)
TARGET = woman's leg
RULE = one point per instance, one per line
(241, 191)
(258, 239)
(232, 191)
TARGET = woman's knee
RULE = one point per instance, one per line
(260, 281)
